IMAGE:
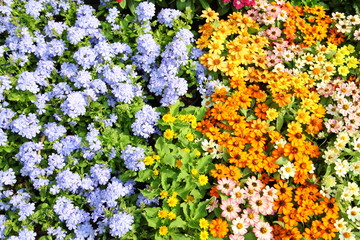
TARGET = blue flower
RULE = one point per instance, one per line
(145, 119)
(120, 224)
(167, 15)
(67, 145)
(113, 14)
(7, 177)
(133, 157)
(26, 126)
(3, 138)
(75, 105)
(100, 174)
(67, 180)
(145, 11)
(54, 28)
(33, 8)
(85, 57)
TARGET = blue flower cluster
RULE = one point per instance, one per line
(70, 94)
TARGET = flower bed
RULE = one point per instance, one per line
(131, 121)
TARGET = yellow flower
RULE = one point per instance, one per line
(204, 224)
(148, 160)
(303, 116)
(163, 230)
(172, 201)
(169, 134)
(172, 215)
(190, 137)
(343, 71)
(156, 172)
(168, 118)
(186, 150)
(163, 213)
(175, 194)
(197, 153)
(193, 124)
(272, 114)
(194, 171)
(352, 62)
(204, 235)
(156, 157)
(203, 180)
(210, 15)
(178, 163)
(164, 194)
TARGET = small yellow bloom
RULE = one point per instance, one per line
(343, 71)
(186, 150)
(175, 194)
(272, 114)
(178, 163)
(194, 171)
(172, 201)
(156, 172)
(204, 235)
(204, 224)
(148, 160)
(172, 215)
(190, 137)
(168, 118)
(163, 213)
(197, 153)
(163, 230)
(164, 194)
(203, 180)
(210, 15)
(193, 124)
(169, 134)
(156, 157)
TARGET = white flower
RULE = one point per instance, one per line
(212, 204)
(330, 156)
(343, 136)
(341, 167)
(356, 144)
(346, 195)
(206, 101)
(353, 188)
(340, 224)
(329, 181)
(346, 234)
(327, 192)
(353, 213)
(355, 167)
(288, 170)
(280, 143)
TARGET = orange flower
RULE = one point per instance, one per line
(219, 95)
(220, 171)
(330, 206)
(218, 228)
(293, 152)
(283, 189)
(214, 192)
(234, 173)
(238, 158)
(283, 204)
(260, 110)
(282, 99)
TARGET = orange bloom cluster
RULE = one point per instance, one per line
(301, 205)
(310, 24)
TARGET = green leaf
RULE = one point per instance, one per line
(250, 236)
(178, 223)
(279, 122)
(282, 160)
(204, 163)
(204, 4)
(201, 210)
(151, 217)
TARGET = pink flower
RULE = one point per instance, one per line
(334, 126)
(270, 192)
(254, 183)
(259, 204)
(236, 237)
(239, 226)
(212, 204)
(226, 185)
(272, 60)
(263, 231)
(230, 209)
(326, 90)
(254, 14)
(238, 4)
(239, 195)
(250, 216)
(273, 10)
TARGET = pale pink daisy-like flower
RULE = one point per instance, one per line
(259, 204)
(334, 126)
(250, 216)
(263, 231)
(226, 185)
(230, 208)
(326, 90)
(239, 226)
(270, 192)
(236, 237)
(254, 183)
(254, 14)
(345, 107)
(273, 32)
(267, 19)
(239, 195)
(344, 89)
(288, 55)
(273, 10)
(283, 15)
(212, 204)
(272, 60)
(357, 34)
(332, 110)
